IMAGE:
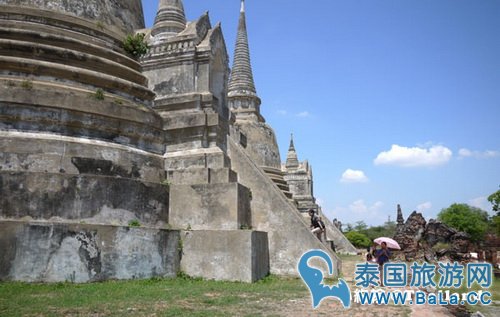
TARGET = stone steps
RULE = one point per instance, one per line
(59, 72)
(50, 53)
(277, 177)
(65, 39)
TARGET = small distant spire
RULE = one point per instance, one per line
(292, 160)
(170, 20)
(292, 147)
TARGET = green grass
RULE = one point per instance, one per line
(163, 297)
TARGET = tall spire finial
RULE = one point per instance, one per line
(292, 147)
(243, 99)
(241, 81)
(170, 20)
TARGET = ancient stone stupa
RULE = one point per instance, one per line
(114, 166)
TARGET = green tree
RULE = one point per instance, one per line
(495, 224)
(349, 228)
(360, 226)
(463, 217)
(386, 230)
(494, 199)
(358, 239)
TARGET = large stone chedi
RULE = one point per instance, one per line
(80, 146)
(92, 140)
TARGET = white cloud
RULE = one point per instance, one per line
(282, 112)
(464, 153)
(415, 156)
(353, 176)
(303, 114)
(360, 207)
(357, 211)
(481, 203)
(424, 206)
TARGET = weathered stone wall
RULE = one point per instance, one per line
(47, 176)
(124, 15)
(288, 232)
(42, 252)
(261, 143)
(223, 206)
(237, 255)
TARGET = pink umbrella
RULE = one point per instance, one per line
(391, 244)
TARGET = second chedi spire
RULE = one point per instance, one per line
(243, 99)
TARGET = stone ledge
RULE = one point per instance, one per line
(202, 176)
(59, 95)
(20, 117)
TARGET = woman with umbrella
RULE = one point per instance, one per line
(384, 253)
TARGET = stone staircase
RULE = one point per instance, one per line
(277, 177)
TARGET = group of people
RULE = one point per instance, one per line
(380, 256)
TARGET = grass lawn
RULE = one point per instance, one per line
(166, 297)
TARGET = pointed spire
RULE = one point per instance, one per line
(241, 82)
(292, 160)
(400, 218)
(292, 147)
(170, 20)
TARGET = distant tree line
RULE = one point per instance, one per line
(362, 236)
(462, 217)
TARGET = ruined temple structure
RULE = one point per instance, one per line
(115, 167)
(430, 241)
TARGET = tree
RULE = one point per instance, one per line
(360, 226)
(495, 223)
(463, 217)
(349, 228)
(359, 240)
(494, 199)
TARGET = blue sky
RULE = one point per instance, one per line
(390, 101)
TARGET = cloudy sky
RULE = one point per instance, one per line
(390, 101)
